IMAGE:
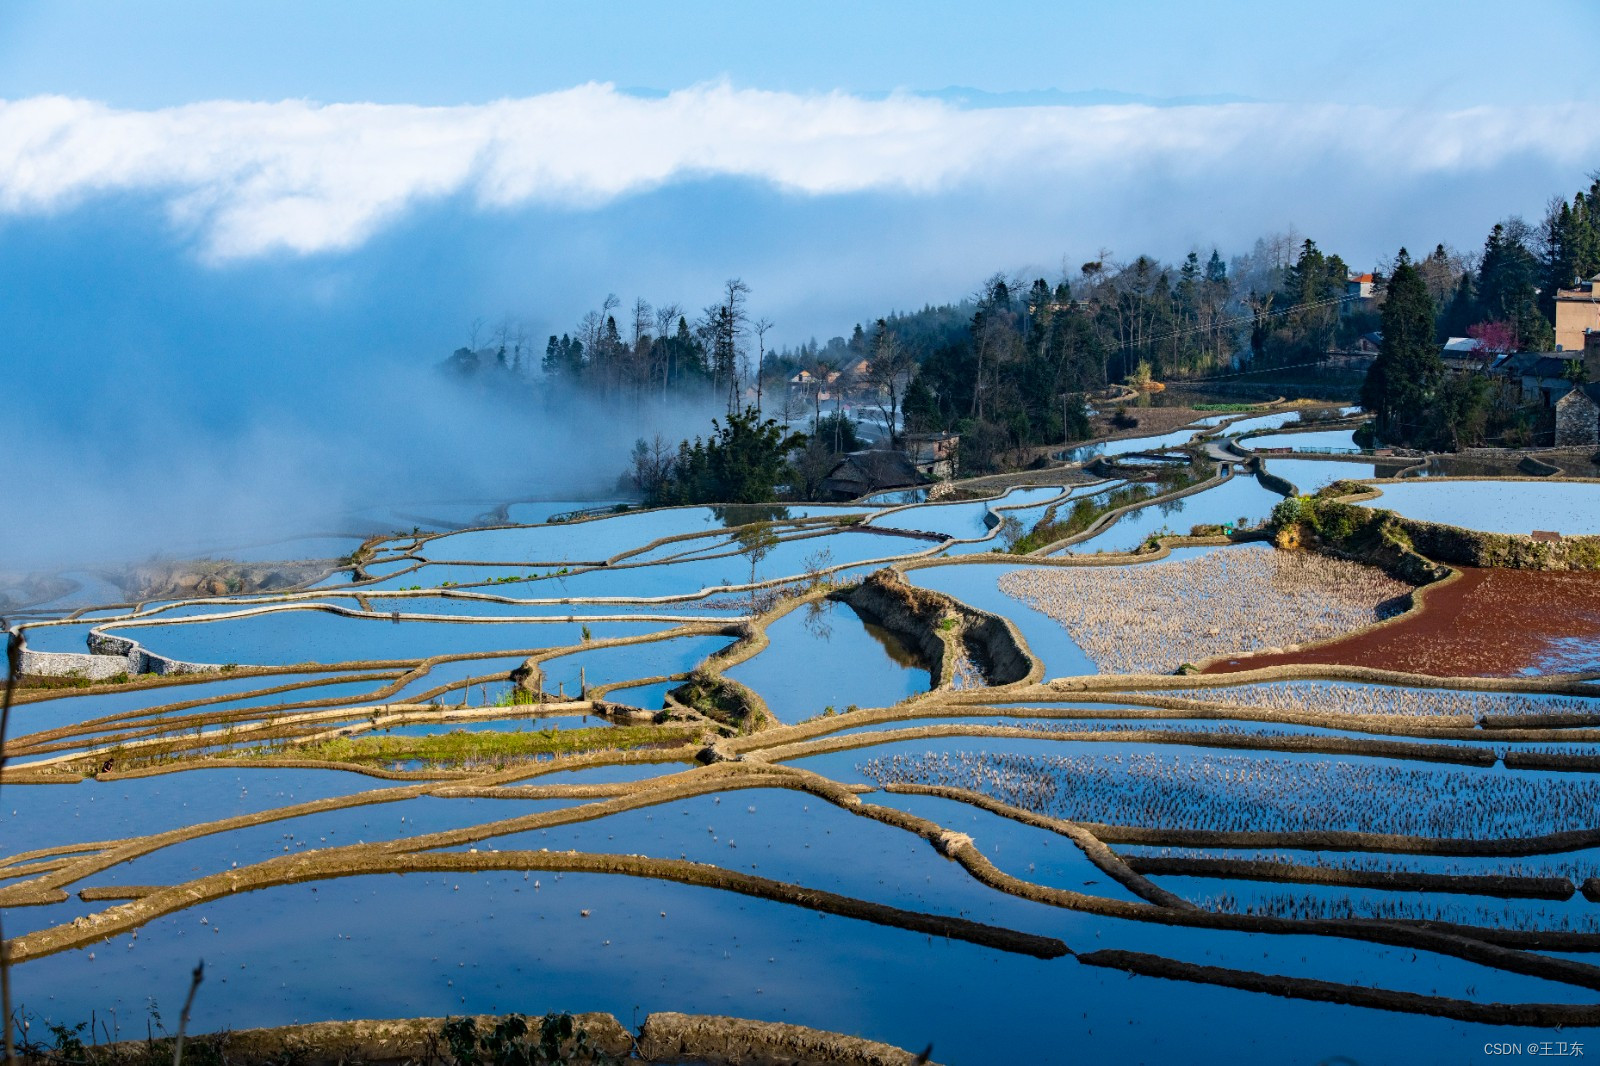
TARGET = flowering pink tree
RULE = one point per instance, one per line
(1497, 337)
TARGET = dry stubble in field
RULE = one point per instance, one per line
(1154, 617)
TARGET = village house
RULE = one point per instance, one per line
(1466, 355)
(1361, 286)
(1577, 315)
(813, 386)
(861, 473)
(933, 454)
(1538, 378)
(836, 384)
(1360, 355)
(1578, 417)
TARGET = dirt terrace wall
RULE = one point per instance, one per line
(1467, 547)
(664, 1038)
(718, 1041)
(1470, 547)
(1363, 534)
(1272, 482)
(915, 616)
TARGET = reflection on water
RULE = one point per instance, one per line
(1567, 507)
(825, 655)
(644, 942)
(892, 646)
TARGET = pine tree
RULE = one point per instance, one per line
(1461, 313)
(1571, 245)
(920, 408)
(1508, 284)
(1402, 383)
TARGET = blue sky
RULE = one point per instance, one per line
(226, 227)
(1366, 125)
(161, 52)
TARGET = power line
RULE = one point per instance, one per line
(1259, 316)
(1179, 383)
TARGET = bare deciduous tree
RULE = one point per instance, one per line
(763, 325)
(887, 376)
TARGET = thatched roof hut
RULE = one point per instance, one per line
(860, 473)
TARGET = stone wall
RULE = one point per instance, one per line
(106, 658)
(1577, 420)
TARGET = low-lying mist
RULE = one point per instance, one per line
(151, 405)
(129, 484)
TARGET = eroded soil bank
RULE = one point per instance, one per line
(663, 1038)
(1486, 623)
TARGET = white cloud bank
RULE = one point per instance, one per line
(254, 178)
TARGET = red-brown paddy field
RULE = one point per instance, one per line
(1483, 623)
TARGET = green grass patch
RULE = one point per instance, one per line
(1085, 512)
(461, 747)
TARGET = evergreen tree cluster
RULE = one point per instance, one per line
(1507, 302)
(742, 461)
(1400, 388)
(1009, 368)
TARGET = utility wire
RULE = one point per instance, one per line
(1257, 317)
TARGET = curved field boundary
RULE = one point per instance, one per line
(1544, 1015)
(335, 861)
(662, 1038)
(1462, 546)
(294, 870)
(93, 858)
(1458, 941)
(134, 724)
(134, 720)
(960, 848)
(1281, 485)
(1556, 888)
(418, 855)
(944, 631)
(1099, 525)
(1344, 840)
(333, 677)
(1563, 684)
(1163, 550)
(1109, 862)
(1317, 426)
(937, 705)
(1465, 755)
(533, 680)
(826, 525)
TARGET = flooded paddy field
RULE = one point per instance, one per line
(825, 657)
(1240, 501)
(298, 636)
(1570, 508)
(1309, 475)
(1334, 441)
(609, 789)
(978, 585)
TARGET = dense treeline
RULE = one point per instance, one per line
(655, 353)
(1008, 367)
(1506, 301)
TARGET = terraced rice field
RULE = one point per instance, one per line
(652, 781)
